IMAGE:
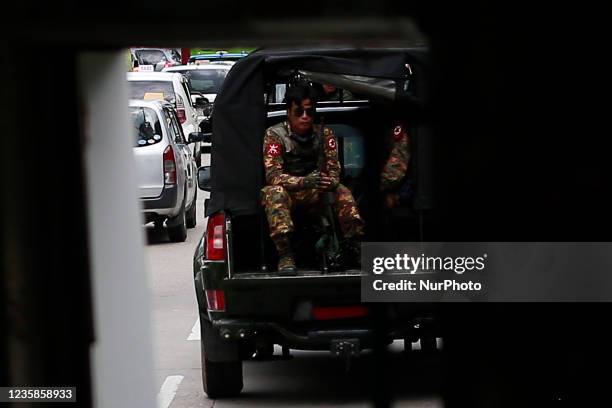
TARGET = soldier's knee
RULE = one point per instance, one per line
(342, 190)
(343, 193)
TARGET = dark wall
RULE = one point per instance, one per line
(520, 156)
(48, 328)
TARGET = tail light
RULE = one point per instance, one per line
(169, 166)
(180, 109)
(215, 299)
(215, 238)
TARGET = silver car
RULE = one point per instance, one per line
(166, 169)
(171, 87)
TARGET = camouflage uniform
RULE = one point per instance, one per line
(286, 164)
(395, 168)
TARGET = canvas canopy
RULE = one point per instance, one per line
(239, 116)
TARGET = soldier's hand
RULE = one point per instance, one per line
(325, 182)
(312, 180)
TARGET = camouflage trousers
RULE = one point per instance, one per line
(278, 203)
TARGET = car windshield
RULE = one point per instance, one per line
(206, 81)
(150, 57)
(146, 127)
(152, 90)
(175, 55)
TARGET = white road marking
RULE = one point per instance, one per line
(168, 390)
(195, 331)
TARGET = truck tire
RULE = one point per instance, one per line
(178, 232)
(191, 213)
(220, 379)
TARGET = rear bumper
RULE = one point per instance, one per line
(164, 204)
(233, 329)
(322, 337)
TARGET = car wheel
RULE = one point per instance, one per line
(191, 213)
(220, 379)
(178, 231)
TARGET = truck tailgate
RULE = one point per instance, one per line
(274, 296)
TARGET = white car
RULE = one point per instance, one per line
(155, 59)
(165, 169)
(173, 88)
(204, 78)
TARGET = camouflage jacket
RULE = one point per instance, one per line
(286, 162)
(396, 166)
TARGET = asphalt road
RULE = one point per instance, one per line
(309, 379)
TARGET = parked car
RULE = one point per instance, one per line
(155, 59)
(165, 168)
(245, 306)
(173, 88)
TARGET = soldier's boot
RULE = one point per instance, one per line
(286, 263)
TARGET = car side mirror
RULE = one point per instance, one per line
(204, 178)
(195, 97)
(201, 101)
(195, 137)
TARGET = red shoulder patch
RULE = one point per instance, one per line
(273, 149)
(331, 143)
(398, 133)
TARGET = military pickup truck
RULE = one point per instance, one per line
(245, 306)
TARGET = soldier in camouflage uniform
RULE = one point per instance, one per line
(395, 168)
(329, 92)
(300, 162)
